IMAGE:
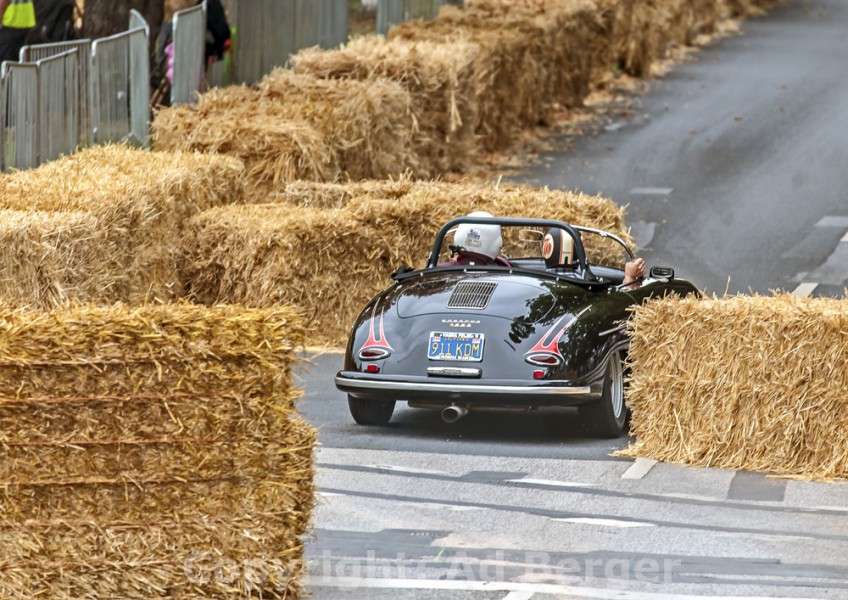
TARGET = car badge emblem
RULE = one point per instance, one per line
(460, 323)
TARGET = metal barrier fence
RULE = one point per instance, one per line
(137, 21)
(104, 88)
(270, 31)
(189, 54)
(58, 105)
(69, 94)
(121, 87)
(394, 12)
(41, 51)
(19, 104)
(40, 104)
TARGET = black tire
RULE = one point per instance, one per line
(370, 412)
(607, 417)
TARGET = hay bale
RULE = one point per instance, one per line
(746, 8)
(298, 127)
(369, 124)
(644, 30)
(755, 383)
(235, 121)
(49, 257)
(105, 224)
(138, 444)
(440, 78)
(534, 56)
(295, 253)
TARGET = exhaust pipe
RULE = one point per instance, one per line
(453, 413)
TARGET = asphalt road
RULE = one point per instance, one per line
(734, 166)
(733, 169)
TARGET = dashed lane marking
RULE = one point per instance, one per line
(552, 483)
(409, 470)
(640, 468)
(804, 289)
(567, 591)
(605, 522)
(651, 191)
(519, 596)
(833, 221)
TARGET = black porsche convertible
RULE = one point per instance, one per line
(542, 325)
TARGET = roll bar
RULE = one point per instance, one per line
(514, 222)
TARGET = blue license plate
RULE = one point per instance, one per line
(455, 345)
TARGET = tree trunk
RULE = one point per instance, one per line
(108, 17)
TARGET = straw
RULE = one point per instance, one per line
(144, 448)
(755, 383)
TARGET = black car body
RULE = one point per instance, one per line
(465, 338)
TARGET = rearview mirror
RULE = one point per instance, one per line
(662, 273)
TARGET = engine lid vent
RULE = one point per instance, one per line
(472, 294)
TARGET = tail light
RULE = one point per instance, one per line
(374, 353)
(376, 346)
(544, 359)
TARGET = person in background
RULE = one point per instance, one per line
(216, 46)
(54, 22)
(217, 31)
(18, 20)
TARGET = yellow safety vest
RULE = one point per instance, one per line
(20, 14)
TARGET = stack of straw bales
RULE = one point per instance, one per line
(104, 225)
(328, 248)
(416, 102)
(755, 383)
(145, 448)
(533, 57)
(440, 78)
(643, 30)
(298, 126)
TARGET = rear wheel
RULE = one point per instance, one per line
(608, 416)
(370, 412)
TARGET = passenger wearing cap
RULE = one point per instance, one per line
(558, 252)
(477, 244)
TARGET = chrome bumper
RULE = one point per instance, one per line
(347, 383)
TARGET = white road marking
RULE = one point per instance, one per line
(568, 591)
(804, 289)
(441, 506)
(651, 191)
(328, 494)
(519, 596)
(552, 483)
(640, 468)
(844, 239)
(409, 470)
(831, 221)
(605, 522)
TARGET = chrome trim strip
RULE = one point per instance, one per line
(538, 363)
(453, 371)
(613, 330)
(404, 386)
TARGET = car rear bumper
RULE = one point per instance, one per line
(469, 391)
